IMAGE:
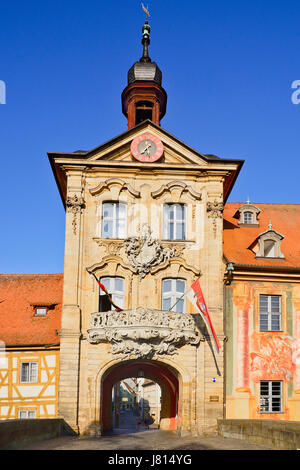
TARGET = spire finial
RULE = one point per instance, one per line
(248, 200)
(270, 225)
(146, 10)
(146, 37)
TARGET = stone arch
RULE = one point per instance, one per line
(175, 379)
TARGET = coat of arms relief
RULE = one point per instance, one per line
(144, 251)
(144, 332)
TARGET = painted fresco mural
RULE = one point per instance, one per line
(256, 356)
(273, 357)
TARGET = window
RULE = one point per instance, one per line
(28, 372)
(172, 292)
(143, 111)
(270, 244)
(174, 222)
(270, 312)
(248, 217)
(115, 288)
(113, 220)
(270, 396)
(27, 414)
(269, 249)
(41, 311)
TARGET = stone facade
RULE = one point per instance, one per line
(110, 173)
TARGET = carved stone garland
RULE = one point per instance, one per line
(143, 332)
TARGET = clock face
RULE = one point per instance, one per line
(147, 148)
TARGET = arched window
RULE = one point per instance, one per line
(113, 220)
(270, 245)
(115, 288)
(248, 217)
(173, 295)
(269, 249)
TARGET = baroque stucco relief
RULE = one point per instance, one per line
(145, 251)
(143, 332)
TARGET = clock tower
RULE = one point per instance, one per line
(144, 98)
(143, 223)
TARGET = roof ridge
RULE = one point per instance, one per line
(31, 274)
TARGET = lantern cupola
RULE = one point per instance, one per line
(144, 98)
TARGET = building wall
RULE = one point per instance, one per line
(253, 356)
(144, 192)
(151, 396)
(41, 396)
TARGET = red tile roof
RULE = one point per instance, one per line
(19, 293)
(285, 219)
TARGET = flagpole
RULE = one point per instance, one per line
(182, 296)
(178, 300)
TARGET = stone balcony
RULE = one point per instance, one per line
(143, 332)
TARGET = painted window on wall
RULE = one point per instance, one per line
(271, 396)
(270, 312)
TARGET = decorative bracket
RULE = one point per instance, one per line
(75, 204)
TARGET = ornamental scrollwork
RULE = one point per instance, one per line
(215, 209)
(144, 252)
(143, 332)
(75, 204)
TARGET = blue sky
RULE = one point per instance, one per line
(227, 68)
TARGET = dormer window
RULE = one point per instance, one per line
(247, 215)
(41, 308)
(269, 249)
(40, 311)
(270, 244)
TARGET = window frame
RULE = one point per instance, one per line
(115, 219)
(40, 307)
(175, 295)
(176, 221)
(270, 396)
(270, 314)
(245, 215)
(112, 291)
(27, 411)
(29, 381)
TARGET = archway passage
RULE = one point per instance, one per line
(165, 376)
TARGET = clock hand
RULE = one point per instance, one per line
(146, 148)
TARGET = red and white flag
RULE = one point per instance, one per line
(195, 295)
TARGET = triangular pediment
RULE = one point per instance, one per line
(175, 151)
(176, 156)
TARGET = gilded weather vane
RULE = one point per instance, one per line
(146, 10)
